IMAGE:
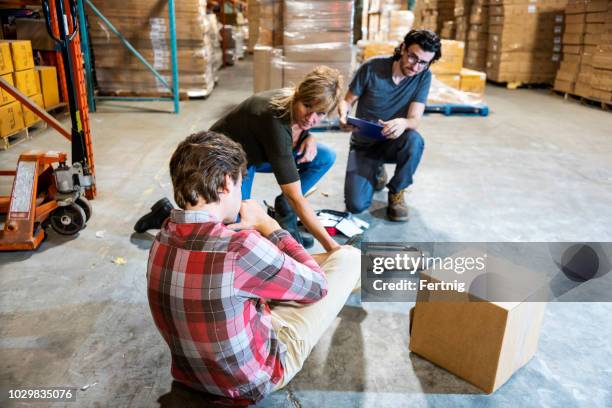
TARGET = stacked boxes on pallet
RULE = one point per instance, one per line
(426, 15)
(601, 83)
(462, 12)
(586, 69)
(573, 46)
(308, 33)
(11, 116)
(145, 25)
(451, 77)
(386, 20)
(317, 33)
(478, 36)
(432, 14)
(524, 40)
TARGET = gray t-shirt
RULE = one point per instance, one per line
(381, 98)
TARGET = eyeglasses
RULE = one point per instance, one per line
(413, 59)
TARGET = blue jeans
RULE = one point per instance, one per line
(405, 152)
(310, 173)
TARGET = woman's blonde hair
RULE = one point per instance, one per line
(321, 87)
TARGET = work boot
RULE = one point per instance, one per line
(380, 180)
(285, 216)
(397, 209)
(154, 219)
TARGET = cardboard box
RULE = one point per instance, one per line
(596, 17)
(27, 81)
(575, 28)
(473, 81)
(11, 119)
(452, 58)
(564, 86)
(48, 85)
(267, 68)
(6, 60)
(571, 38)
(5, 97)
(452, 80)
(575, 8)
(21, 52)
(29, 117)
(482, 341)
(597, 6)
(572, 49)
(575, 18)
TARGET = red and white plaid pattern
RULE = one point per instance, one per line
(205, 288)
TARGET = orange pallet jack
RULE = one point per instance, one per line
(46, 190)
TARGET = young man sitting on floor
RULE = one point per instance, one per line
(209, 283)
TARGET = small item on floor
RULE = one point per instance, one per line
(310, 192)
(342, 222)
(100, 234)
(119, 261)
(88, 386)
(324, 193)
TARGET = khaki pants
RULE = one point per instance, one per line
(300, 327)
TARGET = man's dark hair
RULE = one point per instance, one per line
(426, 39)
(199, 165)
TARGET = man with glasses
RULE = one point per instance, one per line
(393, 92)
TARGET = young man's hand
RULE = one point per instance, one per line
(253, 216)
(343, 111)
(394, 128)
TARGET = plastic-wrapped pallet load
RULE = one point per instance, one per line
(524, 40)
(145, 25)
(317, 33)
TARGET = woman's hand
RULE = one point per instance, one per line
(307, 150)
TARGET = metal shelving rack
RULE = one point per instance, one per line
(174, 88)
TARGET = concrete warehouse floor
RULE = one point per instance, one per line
(537, 169)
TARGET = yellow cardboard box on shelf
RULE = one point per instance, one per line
(30, 117)
(48, 85)
(21, 51)
(11, 119)
(6, 61)
(26, 81)
(5, 97)
(452, 58)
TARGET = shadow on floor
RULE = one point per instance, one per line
(436, 380)
(181, 396)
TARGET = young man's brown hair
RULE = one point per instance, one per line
(199, 165)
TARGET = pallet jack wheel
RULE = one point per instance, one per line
(68, 220)
(86, 206)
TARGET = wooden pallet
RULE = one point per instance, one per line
(14, 139)
(604, 105)
(183, 96)
(520, 85)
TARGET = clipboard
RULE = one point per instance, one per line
(367, 128)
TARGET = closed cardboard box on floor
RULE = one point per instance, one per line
(48, 85)
(11, 119)
(30, 117)
(483, 342)
(21, 51)
(473, 81)
(27, 82)
(452, 80)
(5, 97)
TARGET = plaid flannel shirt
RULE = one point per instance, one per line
(205, 288)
